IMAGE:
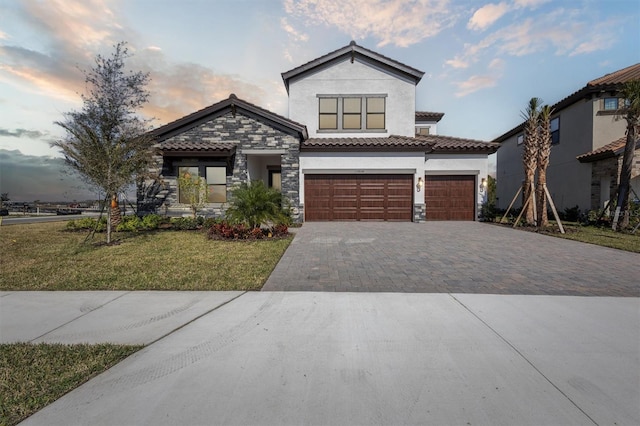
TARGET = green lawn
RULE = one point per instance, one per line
(45, 257)
(33, 376)
(600, 236)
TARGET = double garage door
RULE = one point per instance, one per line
(386, 197)
(358, 197)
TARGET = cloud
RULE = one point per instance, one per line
(531, 4)
(475, 83)
(29, 178)
(78, 30)
(565, 32)
(487, 15)
(398, 22)
(20, 133)
(294, 34)
(3, 35)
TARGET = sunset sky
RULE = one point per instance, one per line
(482, 61)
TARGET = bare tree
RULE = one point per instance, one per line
(106, 141)
(544, 152)
(530, 154)
(631, 113)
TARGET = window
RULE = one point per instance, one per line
(555, 130)
(328, 113)
(275, 179)
(610, 104)
(375, 113)
(520, 139)
(351, 113)
(423, 130)
(345, 113)
(215, 178)
(216, 184)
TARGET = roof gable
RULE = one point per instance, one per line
(612, 149)
(354, 52)
(233, 104)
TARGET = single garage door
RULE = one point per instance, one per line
(358, 197)
(450, 197)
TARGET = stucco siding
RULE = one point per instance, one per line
(355, 78)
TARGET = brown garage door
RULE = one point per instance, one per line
(358, 197)
(450, 197)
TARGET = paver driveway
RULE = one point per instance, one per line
(449, 257)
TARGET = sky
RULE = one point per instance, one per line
(483, 61)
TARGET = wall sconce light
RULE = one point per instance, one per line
(420, 184)
(483, 185)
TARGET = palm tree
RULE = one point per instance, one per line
(529, 154)
(544, 151)
(255, 204)
(631, 113)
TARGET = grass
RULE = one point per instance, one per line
(600, 236)
(45, 257)
(33, 376)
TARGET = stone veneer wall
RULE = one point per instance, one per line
(246, 133)
(419, 212)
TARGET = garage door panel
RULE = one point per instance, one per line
(450, 197)
(358, 197)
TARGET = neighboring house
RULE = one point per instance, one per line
(587, 146)
(353, 148)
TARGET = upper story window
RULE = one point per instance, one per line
(349, 113)
(555, 130)
(423, 131)
(610, 104)
(329, 113)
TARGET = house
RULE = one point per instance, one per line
(587, 146)
(352, 148)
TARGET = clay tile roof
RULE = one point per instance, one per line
(448, 144)
(432, 143)
(618, 77)
(611, 149)
(354, 50)
(429, 116)
(391, 143)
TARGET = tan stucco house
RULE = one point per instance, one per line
(587, 146)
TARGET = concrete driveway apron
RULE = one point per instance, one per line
(449, 257)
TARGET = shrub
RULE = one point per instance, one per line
(130, 224)
(87, 224)
(570, 214)
(222, 230)
(488, 212)
(256, 204)
(185, 223)
(152, 221)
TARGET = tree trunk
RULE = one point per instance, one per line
(625, 178)
(528, 213)
(116, 216)
(541, 199)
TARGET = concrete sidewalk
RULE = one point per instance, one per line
(352, 358)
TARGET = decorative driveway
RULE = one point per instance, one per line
(449, 257)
